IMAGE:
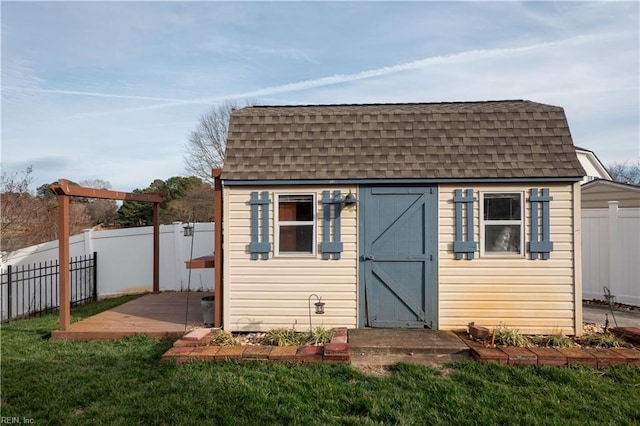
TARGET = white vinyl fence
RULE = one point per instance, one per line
(611, 253)
(125, 257)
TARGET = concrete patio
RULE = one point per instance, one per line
(386, 346)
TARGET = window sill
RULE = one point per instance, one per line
(295, 255)
(503, 256)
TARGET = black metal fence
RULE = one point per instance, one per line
(31, 290)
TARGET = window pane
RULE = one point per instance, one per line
(502, 238)
(296, 239)
(295, 208)
(502, 207)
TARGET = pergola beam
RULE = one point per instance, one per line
(64, 190)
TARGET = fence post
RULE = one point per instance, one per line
(95, 276)
(614, 268)
(9, 292)
(177, 246)
(87, 234)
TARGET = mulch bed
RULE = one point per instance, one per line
(596, 357)
(199, 346)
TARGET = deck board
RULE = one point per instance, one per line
(155, 315)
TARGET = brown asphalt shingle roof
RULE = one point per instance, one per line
(497, 139)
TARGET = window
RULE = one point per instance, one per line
(295, 224)
(502, 224)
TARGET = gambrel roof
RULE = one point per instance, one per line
(456, 140)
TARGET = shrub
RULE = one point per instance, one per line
(506, 336)
(603, 340)
(319, 336)
(282, 337)
(224, 338)
(553, 341)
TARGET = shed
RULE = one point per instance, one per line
(466, 211)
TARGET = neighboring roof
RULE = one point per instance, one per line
(598, 193)
(612, 183)
(592, 165)
(458, 140)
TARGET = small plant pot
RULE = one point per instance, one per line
(207, 309)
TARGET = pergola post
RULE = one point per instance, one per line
(64, 190)
(63, 262)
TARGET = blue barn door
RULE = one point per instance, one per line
(398, 257)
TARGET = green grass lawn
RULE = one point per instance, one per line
(124, 383)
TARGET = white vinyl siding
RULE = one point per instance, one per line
(534, 296)
(263, 294)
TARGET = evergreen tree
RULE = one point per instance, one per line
(134, 213)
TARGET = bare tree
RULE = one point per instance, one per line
(205, 149)
(96, 183)
(99, 211)
(196, 205)
(625, 171)
(27, 219)
(15, 200)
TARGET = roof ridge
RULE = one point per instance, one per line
(396, 104)
(628, 185)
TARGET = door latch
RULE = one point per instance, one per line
(368, 257)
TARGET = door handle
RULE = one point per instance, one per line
(368, 257)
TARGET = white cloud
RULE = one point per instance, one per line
(19, 79)
(456, 58)
(116, 88)
(92, 94)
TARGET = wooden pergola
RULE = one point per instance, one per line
(64, 190)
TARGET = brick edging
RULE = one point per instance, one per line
(593, 357)
(195, 346)
(509, 355)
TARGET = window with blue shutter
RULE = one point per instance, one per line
(464, 243)
(295, 224)
(328, 247)
(259, 226)
(541, 245)
(502, 224)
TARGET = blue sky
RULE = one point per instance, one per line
(111, 90)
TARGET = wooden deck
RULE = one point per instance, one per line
(156, 315)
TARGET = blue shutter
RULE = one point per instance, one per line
(259, 208)
(329, 247)
(464, 225)
(541, 244)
